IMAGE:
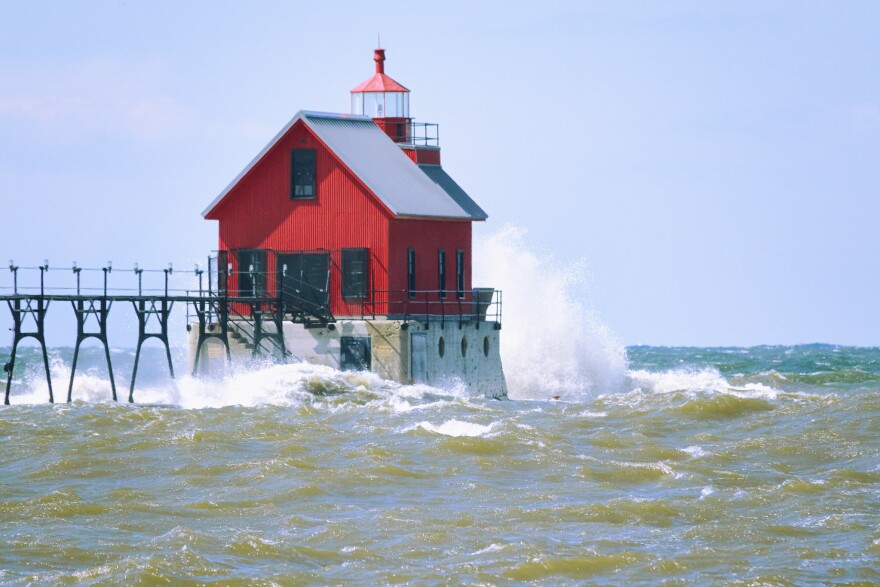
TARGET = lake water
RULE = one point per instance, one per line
(689, 466)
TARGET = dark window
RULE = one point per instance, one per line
(354, 273)
(252, 272)
(411, 272)
(400, 134)
(441, 272)
(302, 174)
(459, 273)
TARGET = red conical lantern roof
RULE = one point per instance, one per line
(379, 82)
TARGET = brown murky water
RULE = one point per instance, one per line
(709, 466)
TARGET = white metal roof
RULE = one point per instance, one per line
(377, 161)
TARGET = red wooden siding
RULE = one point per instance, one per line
(427, 237)
(427, 156)
(395, 127)
(258, 213)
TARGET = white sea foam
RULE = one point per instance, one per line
(705, 380)
(256, 384)
(296, 383)
(90, 385)
(491, 548)
(552, 343)
(401, 405)
(695, 451)
(455, 428)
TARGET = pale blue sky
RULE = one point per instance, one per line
(717, 165)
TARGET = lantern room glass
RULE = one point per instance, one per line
(381, 104)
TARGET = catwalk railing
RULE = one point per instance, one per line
(253, 315)
(479, 304)
(92, 292)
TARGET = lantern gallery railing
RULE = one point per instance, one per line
(420, 134)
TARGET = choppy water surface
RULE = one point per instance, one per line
(703, 466)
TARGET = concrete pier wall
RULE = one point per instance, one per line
(438, 354)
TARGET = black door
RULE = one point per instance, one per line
(355, 353)
(251, 272)
(304, 280)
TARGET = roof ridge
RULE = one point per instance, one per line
(334, 115)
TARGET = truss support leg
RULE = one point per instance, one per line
(259, 333)
(35, 307)
(204, 309)
(72, 371)
(279, 328)
(145, 309)
(137, 357)
(9, 367)
(100, 309)
(257, 315)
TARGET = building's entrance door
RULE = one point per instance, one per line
(354, 353)
(251, 272)
(304, 280)
(418, 362)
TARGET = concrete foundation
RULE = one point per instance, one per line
(437, 354)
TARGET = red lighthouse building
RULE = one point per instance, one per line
(351, 218)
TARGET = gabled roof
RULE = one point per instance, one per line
(404, 188)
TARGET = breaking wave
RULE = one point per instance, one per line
(553, 343)
(248, 385)
(455, 428)
(705, 380)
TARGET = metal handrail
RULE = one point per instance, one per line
(483, 304)
(248, 336)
